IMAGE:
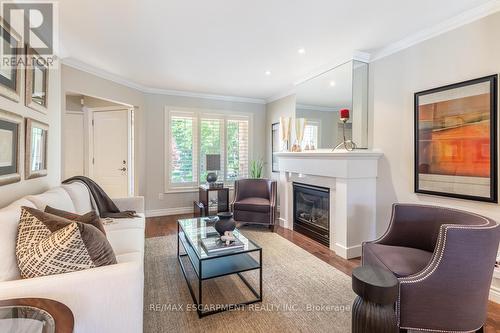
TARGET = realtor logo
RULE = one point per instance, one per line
(35, 24)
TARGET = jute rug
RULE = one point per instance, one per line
(301, 292)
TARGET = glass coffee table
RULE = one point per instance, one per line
(210, 266)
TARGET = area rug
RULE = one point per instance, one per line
(301, 293)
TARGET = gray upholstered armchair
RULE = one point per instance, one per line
(444, 261)
(255, 201)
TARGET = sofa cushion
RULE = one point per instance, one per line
(253, 204)
(89, 218)
(56, 197)
(125, 223)
(402, 261)
(48, 244)
(80, 196)
(9, 220)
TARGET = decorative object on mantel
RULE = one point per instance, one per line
(285, 132)
(11, 127)
(300, 124)
(35, 149)
(348, 145)
(213, 164)
(456, 140)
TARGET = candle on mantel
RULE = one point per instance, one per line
(344, 114)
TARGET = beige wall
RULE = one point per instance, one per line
(11, 192)
(468, 52)
(79, 82)
(155, 139)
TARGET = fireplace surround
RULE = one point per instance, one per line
(351, 178)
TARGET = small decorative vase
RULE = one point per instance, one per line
(225, 223)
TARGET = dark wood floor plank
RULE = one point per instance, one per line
(167, 225)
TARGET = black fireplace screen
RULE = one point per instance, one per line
(311, 206)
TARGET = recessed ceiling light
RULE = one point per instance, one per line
(268, 73)
(332, 83)
(301, 50)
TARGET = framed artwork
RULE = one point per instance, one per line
(275, 145)
(456, 140)
(36, 149)
(10, 141)
(10, 73)
(37, 82)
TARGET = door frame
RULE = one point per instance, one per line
(89, 168)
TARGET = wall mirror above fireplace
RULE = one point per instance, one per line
(320, 99)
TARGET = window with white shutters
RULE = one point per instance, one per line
(211, 142)
(193, 135)
(311, 134)
(237, 149)
(183, 133)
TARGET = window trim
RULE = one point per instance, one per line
(198, 114)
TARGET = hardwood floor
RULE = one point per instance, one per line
(167, 225)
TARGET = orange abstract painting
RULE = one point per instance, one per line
(455, 140)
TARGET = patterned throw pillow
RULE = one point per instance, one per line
(47, 244)
(90, 218)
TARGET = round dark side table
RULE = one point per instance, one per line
(53, 316)
(373, 308)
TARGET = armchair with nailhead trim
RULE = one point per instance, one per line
(444, 260)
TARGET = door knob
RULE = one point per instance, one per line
(123, 169)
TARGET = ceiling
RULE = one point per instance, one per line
(225, 46)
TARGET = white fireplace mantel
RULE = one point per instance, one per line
(351, 178)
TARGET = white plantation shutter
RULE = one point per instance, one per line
(183, 149)
(237, 149)
(211, 142)
(193, 135)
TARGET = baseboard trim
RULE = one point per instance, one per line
(169, 211)
(346, 252)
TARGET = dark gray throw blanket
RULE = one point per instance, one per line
(105, 205)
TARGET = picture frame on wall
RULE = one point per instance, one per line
(36, 147)
(456, 140)
(10, 72)
(11, 127)
(37, 82)
(275, 145)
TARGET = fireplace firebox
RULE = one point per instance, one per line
(311, 212)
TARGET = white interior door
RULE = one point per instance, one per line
(110, 142)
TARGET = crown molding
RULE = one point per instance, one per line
(455, 22)
(77, 64)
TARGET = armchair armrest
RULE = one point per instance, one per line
(102, 299)
(130, 203)
(460, 272)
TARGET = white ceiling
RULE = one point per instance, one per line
(225, 46)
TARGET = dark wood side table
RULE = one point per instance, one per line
(62, 315)
(222, 198)
(373, 308)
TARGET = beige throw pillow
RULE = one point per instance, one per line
(47, 244)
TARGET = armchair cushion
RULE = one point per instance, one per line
(253, 205)
(402, 261)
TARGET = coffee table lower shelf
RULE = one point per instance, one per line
(218, 266)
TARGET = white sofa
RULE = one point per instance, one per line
(102, 299)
